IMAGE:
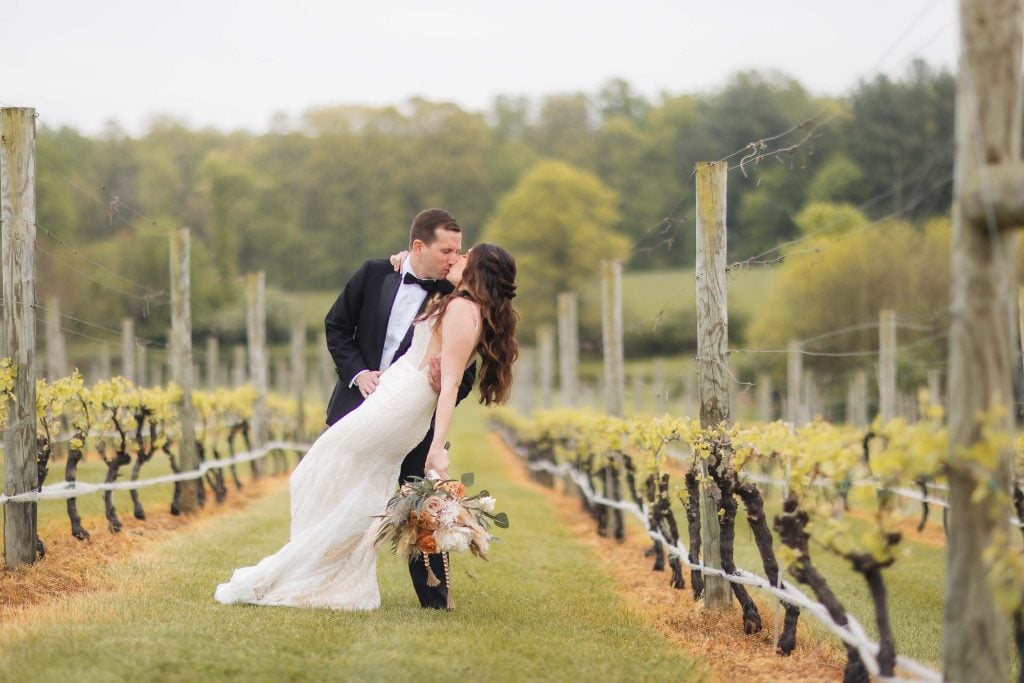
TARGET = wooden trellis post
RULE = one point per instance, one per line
(857, 400)
(611, 329)
(988, 207)
(256, 319)
(17, 253)
(181, 331)
(887, 364)
(212, 362)
(238, 361)
(568, 348)
(56, 351)
(764, 398)
(128, 349)
(712, 352)
(140, 365)
(546, 351)
(794, 374)
(298, 371)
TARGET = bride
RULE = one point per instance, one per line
(352, 470)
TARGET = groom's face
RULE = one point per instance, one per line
(437, 258)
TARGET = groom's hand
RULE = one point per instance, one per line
(367, 382)
(434, 374)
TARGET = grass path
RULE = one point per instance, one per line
(541, 609)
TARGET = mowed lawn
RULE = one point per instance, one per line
(540, 609)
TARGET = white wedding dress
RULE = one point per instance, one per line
(344, 480)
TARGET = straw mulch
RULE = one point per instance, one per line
(714, 638)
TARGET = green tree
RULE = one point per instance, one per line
(565, 130)
(901, 136)
(838, 180)
(558, 223)
(828, 284)
(826, 219)
(618, 100)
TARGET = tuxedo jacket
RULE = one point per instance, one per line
(357, 327)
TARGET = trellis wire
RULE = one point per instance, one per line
(66, 490)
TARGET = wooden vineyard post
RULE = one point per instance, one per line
(988, 206)
(181, 334)
(212, 362)
(17, 253)
(128, 349)
(256, 319)
(238, 361)
(297, 349)
(764, 398)
(546, 352)
(611, 329)
(56, 351)
(857, 400)
(887, 364)
(794, 375)
(568, 348)
(712, 353)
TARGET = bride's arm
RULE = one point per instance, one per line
(460, 330)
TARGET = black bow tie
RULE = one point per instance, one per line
(431, 286)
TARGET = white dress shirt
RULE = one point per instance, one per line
(408, 301)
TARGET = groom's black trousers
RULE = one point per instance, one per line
(430, 596)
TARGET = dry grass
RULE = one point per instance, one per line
(716, 639)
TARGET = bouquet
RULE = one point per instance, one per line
(432, 515)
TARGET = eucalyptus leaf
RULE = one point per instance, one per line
(467, 479)
(501, 520)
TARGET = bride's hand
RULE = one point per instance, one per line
(396, 260)
(437, 460)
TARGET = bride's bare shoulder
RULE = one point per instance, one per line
(464, 311)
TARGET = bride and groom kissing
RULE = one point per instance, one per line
(406, 337)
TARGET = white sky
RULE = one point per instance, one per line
(232, 64)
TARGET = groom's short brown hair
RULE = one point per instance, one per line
(425, 225)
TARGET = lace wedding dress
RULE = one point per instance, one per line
(345, 479)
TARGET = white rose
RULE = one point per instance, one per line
(452, 540)
(449, 513)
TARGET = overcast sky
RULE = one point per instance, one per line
(232, 64)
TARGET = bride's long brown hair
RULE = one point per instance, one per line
(489, 279)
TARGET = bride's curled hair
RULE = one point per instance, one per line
(489, 279)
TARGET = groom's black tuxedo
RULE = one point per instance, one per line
(357, 327)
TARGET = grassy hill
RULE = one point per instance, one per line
(652, 300)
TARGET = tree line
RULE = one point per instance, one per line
(311, 198)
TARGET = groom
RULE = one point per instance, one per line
(370, 326)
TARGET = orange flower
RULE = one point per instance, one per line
(422, 520)
(426, 543)
(455, 489)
